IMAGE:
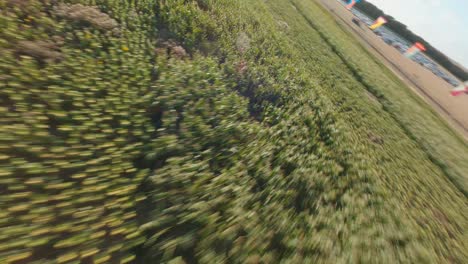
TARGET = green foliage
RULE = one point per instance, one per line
(186, 22)
(71, 131)
(122, 141)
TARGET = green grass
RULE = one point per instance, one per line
(215, 132)
(440, 142)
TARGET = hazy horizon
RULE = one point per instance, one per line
(440, 22)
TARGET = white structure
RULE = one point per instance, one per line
(463, 88)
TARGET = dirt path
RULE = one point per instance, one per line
(434, 90)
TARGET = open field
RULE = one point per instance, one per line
(216, 131)
(443, 147)
(432, 88)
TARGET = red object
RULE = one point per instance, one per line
(456, 93)
(420, 46)
(459, 91)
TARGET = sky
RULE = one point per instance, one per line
(443, 23)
